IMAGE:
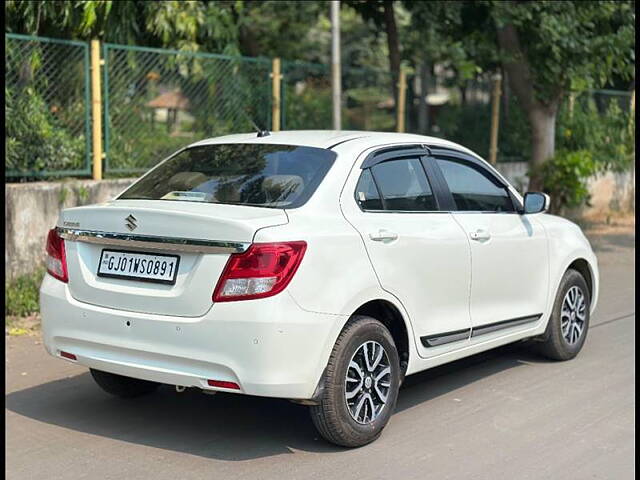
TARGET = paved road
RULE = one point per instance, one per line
(506, 414)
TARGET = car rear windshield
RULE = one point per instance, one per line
(275, 176)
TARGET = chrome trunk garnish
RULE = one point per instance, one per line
(189, 245)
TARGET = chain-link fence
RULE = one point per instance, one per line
(157, 101)
(306, 96)
(462, 114)
(593, 120)
(47, 107)
(368, 100)
(459, 114)
(601, 122)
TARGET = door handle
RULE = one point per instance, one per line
(480, 234)
(383, 235)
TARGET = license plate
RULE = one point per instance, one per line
(146, 267)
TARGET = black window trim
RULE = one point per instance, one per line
(393, 153)
(398, 152)
(471, 162)
(375, 184)
(428, 156)
(474, 163)
(444, 197)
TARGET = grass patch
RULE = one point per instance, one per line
(21, 295)
(19, 326)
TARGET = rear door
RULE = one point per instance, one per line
(419, 253)
(509, 257)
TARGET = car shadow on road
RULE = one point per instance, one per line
(227, 426)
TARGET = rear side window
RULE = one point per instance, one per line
(404, 185)
(473, 191)
(275, 176)
(367, 194)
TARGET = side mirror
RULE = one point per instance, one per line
(536, 202)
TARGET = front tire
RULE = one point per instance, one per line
(569, 322)
(121, 386)
(360, 385)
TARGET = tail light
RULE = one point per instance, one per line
(56, 260)
(265, 269)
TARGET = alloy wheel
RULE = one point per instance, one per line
(573, 315)
(367, 382)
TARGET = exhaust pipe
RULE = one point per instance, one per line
(180, 388)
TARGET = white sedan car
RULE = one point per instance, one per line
(316, 266)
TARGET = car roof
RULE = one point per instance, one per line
(357, 140)
(351, 141)
(305, 138)
(330, 138)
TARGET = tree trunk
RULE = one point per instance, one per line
(505, 96)
(394, 47)
(543, 133)
(423, 109)
(463, 94)
(248, 43)
(246, 38)
(542, 116)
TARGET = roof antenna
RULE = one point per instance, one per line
(261, 133)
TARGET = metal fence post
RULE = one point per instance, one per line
(402, 96)
(495, 118)
(336, 66)
(275, 103)
(632, 109)
(572, 102)
(96, 110)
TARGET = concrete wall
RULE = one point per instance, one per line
(31, 209)
(610, 193)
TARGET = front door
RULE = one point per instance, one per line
(509, 254)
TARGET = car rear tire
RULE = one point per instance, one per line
(569, 322)
(360, 384)
(121, 386)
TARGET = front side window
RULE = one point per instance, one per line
(473, 191)
(404, 185)
(275, 176)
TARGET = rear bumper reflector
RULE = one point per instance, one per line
(68, 355)
(223, 384)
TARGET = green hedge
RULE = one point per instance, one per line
(22, 295)
(35, 138)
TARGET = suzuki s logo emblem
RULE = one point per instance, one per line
(131, 222)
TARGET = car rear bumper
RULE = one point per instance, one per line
(269, 347)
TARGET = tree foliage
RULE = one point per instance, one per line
(566, 177)
(547, 50)
(573, 45)
(570, 46)
(552, 48)
(35, 139)
(452, 34)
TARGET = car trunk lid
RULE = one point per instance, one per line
(202, 235)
